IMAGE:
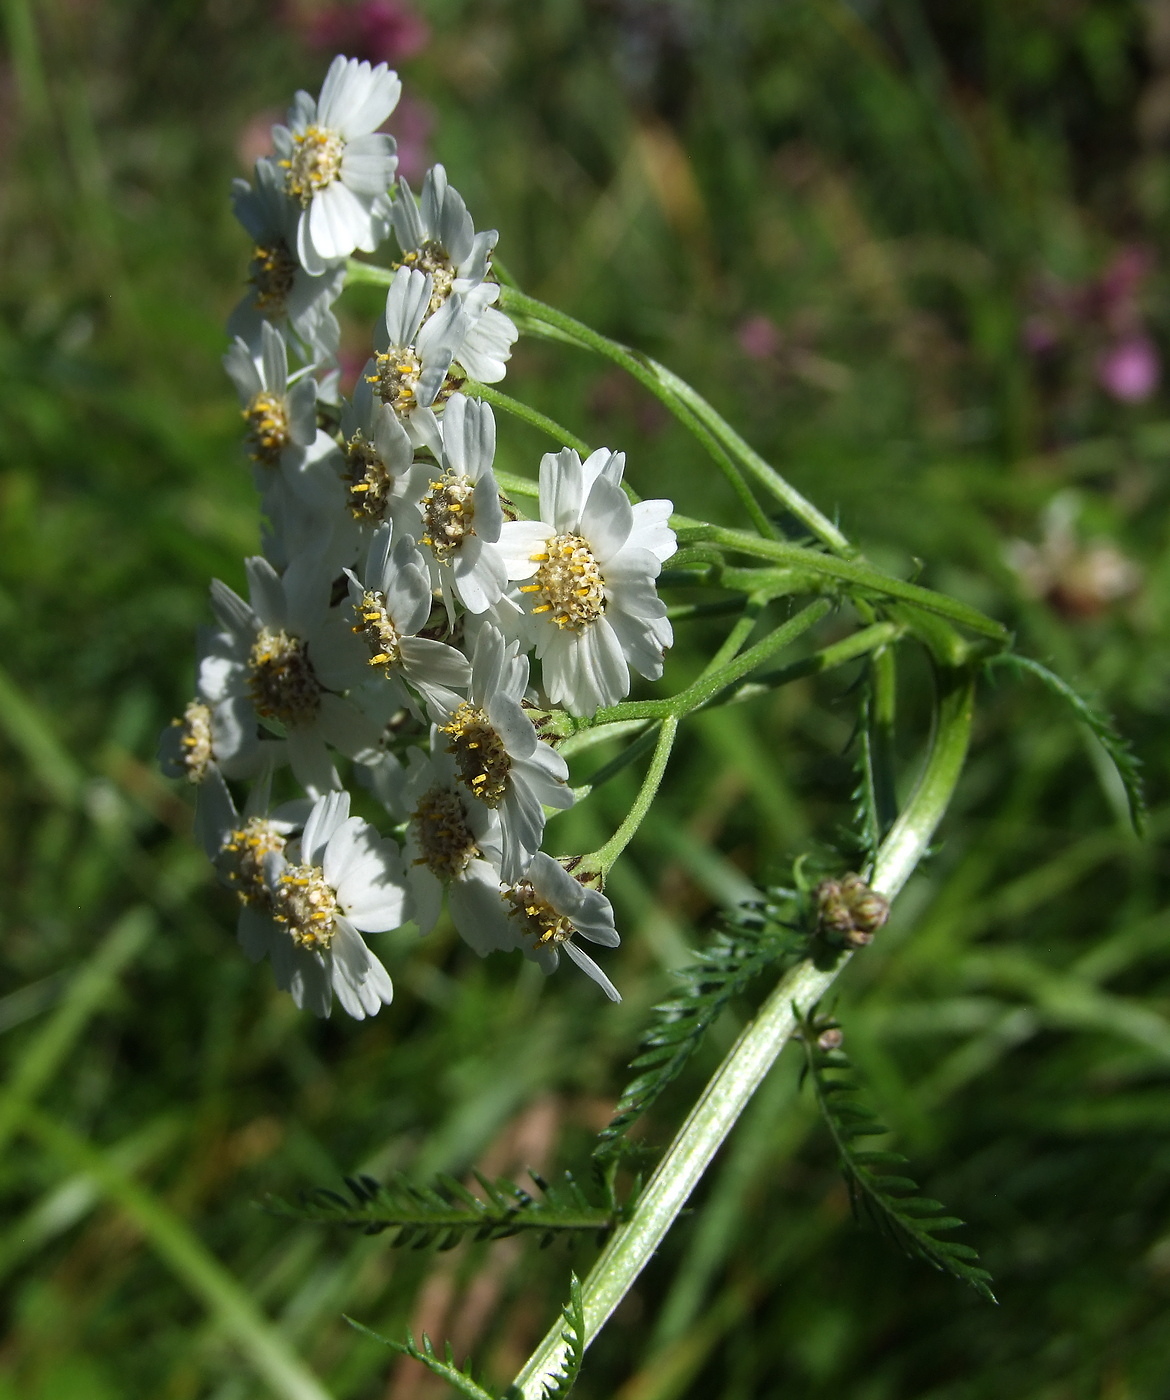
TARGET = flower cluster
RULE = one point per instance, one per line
(386, 636)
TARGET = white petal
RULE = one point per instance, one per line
(519, 541)
(562, 490)
(586, 964)
(329, 813)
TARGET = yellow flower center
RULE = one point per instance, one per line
(569, 582)
(267, 419)
(370, 484)
(306, 904)
(314, 164)
(432, 257)
(273, 271)
(377, 627)
(283, 684)
(539, 920)
(480, 757)
(195, 741)
(445, 840)
(448, 512)
(246, 848)
(395, 378)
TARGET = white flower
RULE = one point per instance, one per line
(336, 165)
(539, 914)
(452, 843)
(238, 845)
(391, 604)
(378, 456)
(593, 558)
(342, 880)
(282, 291)
(280, 659)
(414, 354)
(548, 906)
(438, 237)
(498, 757)
(280, 417)
(460, 508)
(215, 736)
(297, 467)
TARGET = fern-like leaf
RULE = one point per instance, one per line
(1098, 722)
(574, 1337)
(754, 939)
(462, 1381)
(879, 1189)
(446, 1212)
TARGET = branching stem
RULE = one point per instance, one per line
(756, 1050)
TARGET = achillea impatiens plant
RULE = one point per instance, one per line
(449, 638)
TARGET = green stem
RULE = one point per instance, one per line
(751, 1057)
(869, 639)
(712, 681)
(535, 419)
(269, 1354)
(617, 843)
(847, 571)
(689, 407)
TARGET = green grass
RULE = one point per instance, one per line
(886, 183)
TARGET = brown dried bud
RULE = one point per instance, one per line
(831, 1038)
(833, 913)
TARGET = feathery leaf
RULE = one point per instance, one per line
(891, 1202)
(447, 1212)
(462, 1381)
(755, 937)
(574, 1336)
(1099, 723)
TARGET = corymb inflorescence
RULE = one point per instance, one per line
(404, 627)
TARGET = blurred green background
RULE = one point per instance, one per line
(916, 252)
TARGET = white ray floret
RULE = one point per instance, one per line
(337, 166)
(437, 237)
(281, 659)
(460, 509)
(592, 559)
(391, 602)
(282, 291)
(499, 758)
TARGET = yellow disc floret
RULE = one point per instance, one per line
(445, 841)
(376, 625)
(195, 742)
(267, 419)
(274, 270)
(370, 484)
(315, 162)
(448, 514)
(395, 378)
(282, 682)
(569, 582)
(306, 904)
(538, 919)
(242, 858)
(481, 759)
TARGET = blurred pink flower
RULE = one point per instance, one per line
(1130, 369)
(383, 31)
(759, 338)
(412, 123)
(255, 136)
